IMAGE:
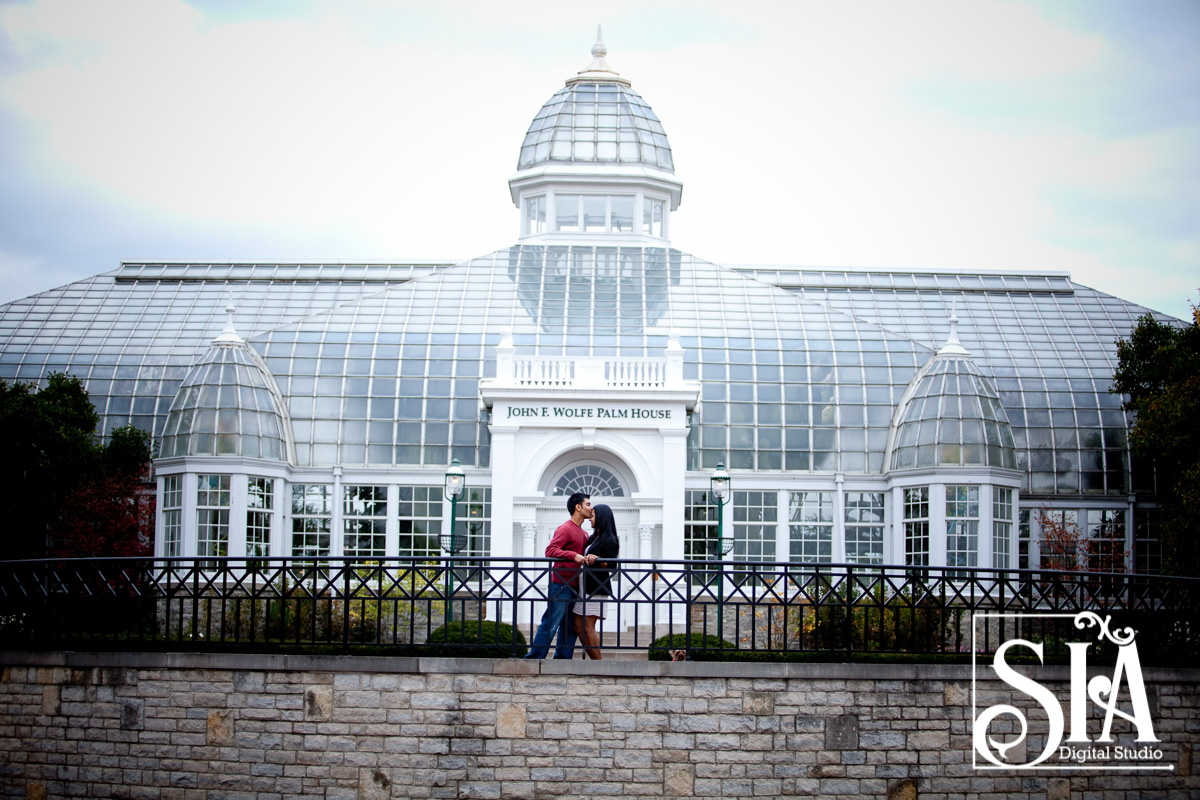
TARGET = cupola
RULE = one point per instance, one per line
(228, 405)
(950, 416)
(596, 165)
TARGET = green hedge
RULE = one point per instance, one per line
(475, 639)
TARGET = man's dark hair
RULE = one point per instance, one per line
(575, 500)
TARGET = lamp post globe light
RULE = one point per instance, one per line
(456, 484)
(719, 488)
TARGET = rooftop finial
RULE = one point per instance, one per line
(229, 334)
(598, 70)
(953, 346)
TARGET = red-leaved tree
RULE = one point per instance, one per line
(111, 512)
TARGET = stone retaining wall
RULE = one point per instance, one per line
(187, 727)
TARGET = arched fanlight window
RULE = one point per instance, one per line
(591, 479)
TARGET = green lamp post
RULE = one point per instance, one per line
(718, 486)
(452, 542)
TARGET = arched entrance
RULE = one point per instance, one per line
(603, 476)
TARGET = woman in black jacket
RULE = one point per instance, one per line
(596, 583)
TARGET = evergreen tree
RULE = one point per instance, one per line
(62, 480)
(1159, 369)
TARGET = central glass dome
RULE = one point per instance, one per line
(596, 119)
(596, 123)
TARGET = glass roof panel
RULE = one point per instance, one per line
(790, 368)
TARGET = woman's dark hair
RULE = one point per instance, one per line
(604, 531)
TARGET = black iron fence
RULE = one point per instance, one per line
(491, 606)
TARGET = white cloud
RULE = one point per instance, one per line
(391, 128)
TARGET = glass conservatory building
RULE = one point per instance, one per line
(870, 417)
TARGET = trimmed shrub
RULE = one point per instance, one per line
(475, 639)
(702, 647)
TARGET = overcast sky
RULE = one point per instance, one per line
(966, 134)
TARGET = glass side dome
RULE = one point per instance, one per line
(953, 417)
(226, 405)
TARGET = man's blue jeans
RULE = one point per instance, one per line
(557, 619)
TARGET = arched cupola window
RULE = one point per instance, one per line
(591, 479)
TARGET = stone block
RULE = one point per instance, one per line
(374, 784)
(318, 703)
(517, 790)
(1058, 789)
(357, 700)
(928, 741)
(132, 714)
(758, 703)
(442, 701)
(482, 790)
(957, 694)
(347, 681)
(708, 687)
(510, 721)
(720, 741)
(767, 787)
(249, 682)
(736, 724)
(841, 733)
(52, 700)
(678, 780)
(688, 723)
(220, 728)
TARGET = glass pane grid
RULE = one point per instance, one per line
(811, 526)
(865, 519)
(755, 515)
(364, 522)
(420, 513)
(312, 519)
(962, 526)
(212, 515)
(916, 526)
(172, 500)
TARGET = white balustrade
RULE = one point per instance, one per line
(564, 372)
(588, 373)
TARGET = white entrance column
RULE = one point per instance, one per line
(645, 541)
(529, 532)
(674, 464)
(503, 472)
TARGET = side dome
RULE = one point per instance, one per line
(597, 118)
(227, 405)
(951, 416)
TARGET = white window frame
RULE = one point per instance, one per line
(172, 515)
(1003, 517)
(218, 517)
(536, 206)
(264, 514)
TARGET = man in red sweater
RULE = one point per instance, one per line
(566, 546)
